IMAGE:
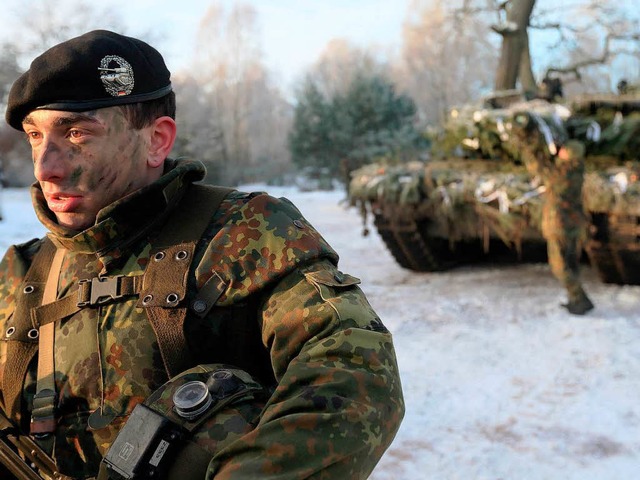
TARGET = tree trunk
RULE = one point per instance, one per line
(525, 73)
(514, 43)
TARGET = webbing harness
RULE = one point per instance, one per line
(43, 415)
(161, 290)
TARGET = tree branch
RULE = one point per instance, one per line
(606, 55)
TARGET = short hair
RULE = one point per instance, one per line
(142, 114)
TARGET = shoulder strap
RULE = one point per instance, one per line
(193, 215)
(22, 333)
(164, 283)
(44, 401)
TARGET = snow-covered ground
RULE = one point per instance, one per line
(499, 381)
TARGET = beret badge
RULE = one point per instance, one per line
(116, 75)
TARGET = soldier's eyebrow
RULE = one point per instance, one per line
(69, 119)
(74, 118)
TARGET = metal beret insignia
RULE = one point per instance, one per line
(116, 75)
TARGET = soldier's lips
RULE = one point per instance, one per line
(63, 202)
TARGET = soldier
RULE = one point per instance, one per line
(147, 281)
(563, 217)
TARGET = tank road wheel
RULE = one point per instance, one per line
(614, 248)
(406, 244)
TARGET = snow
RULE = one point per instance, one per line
(499, 381)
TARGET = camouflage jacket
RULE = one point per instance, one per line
(288, 316)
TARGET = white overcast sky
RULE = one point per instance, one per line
(293, 32)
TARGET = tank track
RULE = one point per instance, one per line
(614, 248)
(409, 242)
(406, 243)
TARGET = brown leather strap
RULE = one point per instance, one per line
(32, 455)
(44, 401)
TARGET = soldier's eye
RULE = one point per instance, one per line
(75, 133)
(33, 136)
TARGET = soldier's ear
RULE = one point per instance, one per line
(162, 137)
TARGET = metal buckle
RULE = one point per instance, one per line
(101, 290)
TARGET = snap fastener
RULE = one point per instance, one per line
(29, 289)
(199, 306)
(298, 224)
(33, 334)
(147, 299)
(10, 331)
(181, 255)
(172, 298)
(159, 256)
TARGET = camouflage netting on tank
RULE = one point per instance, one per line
(376, 181)
(503, 201)
(615, 191)
(465, 201)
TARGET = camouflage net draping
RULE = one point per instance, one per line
(504, 201)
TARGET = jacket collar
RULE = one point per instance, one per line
(123, 223)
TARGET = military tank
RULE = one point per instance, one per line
(473, 200)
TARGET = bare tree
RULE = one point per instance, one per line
(47, 23)
(601, 34)
(200, 134)
(15, 167)
(339, 64)
(586, 35)
(515, 59)
(446, 57)
(250, 112)
(451, 53)
(268, 126)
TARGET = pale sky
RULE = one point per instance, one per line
(293, 32)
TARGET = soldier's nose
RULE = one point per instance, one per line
(48, 162)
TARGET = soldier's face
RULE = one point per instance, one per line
(85, 161)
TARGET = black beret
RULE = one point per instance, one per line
(96, 70)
